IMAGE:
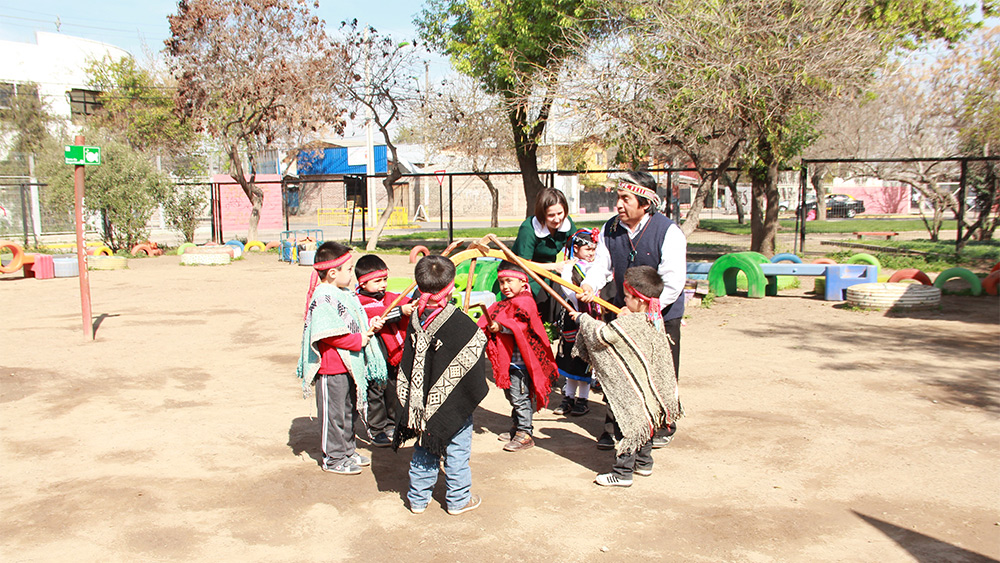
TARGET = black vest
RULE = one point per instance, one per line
(644, 250)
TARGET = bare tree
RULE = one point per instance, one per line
(248, 73)
(464, 120)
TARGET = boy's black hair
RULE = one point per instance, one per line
(645, 279)
(505, 265)
(329, 250)
(433, 273)
(367, 264)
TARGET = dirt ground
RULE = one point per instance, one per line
(814, 433)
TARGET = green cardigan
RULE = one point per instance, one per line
(541, 249)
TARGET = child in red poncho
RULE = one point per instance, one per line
(520, 352)
(373, 279)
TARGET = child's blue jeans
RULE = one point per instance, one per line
(457, 473)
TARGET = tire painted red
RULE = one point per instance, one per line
(991, 281)
(418, 251)
(910, 274)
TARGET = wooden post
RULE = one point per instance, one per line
(81, 250)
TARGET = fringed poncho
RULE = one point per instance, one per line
(335, 312)
(631, 358)
(441, 381)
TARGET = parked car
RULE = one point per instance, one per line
(838, 205)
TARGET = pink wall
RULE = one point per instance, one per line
(879, 200)
(236, 207)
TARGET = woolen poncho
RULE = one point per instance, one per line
(632, 360)
(441, 381)
(333, 311)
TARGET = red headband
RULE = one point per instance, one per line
(512, 274)
(640, 191)
(435, 298)
(373, 276)
(653, 309)
(335, 263)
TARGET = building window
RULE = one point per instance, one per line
(83, 102)
(7, 91)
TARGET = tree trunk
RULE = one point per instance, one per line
(697, 204)
(817, 182)
(732, 183)
(494, 197)
(764, 207)
(254, 194)
(526, 137)
(390, 191)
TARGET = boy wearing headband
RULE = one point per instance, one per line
(340, 356)
(373, 279)
(628, 357)
(442, 379)
(520, 352)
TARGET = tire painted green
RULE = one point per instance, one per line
(722, 275)
(185, 246)
(771, 282)
(974, 284)
(864, 258)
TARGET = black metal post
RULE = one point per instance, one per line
(24, 215)
(284, 201)
(441, 206)
(800, 217)
(451, 209)
(964, 167)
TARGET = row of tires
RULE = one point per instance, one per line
(249, 246)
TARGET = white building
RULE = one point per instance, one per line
(57, 63)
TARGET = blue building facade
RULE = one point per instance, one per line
(334, 161)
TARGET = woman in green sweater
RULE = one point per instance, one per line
(542, 237)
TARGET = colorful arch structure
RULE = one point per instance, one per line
(722, 275)
(951, 273)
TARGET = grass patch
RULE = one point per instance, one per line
(941, 255)
(733, 227)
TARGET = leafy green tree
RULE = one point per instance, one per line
(183, 209)
(24, 128)
(517, 50)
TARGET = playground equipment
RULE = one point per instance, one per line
(762, 275)
(65, 266)
(894, 295)
(786, 256)
(974, 284)
(990, 283)
(289, 241)
(15, 262)
(183, 247)
(910, 274)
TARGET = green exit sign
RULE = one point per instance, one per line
(80, 155)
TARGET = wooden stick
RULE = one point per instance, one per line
(549, 275)
(531, 272)
(486, 313)
(451, 247)
(471, 277)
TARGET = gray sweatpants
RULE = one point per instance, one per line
(337, 416)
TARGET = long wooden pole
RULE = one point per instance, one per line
(521, 262)
(549, 275)
(81, 250)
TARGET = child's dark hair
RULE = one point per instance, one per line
(433, 273)
(367, 264)
(505, 265)
(645, 279)
(329, 250)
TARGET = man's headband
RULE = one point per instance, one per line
(335, 263)
(640, 191)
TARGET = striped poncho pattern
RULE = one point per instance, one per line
(631, 358)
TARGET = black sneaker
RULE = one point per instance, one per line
(565, 407)
(381, 440)
(580, 408)
(605, 442)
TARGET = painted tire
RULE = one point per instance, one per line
(103, 251)
(182, 248)
(910, 274)
(252, 245)
(864, 258)
(990, 283)
(951, 273)
(235, 243)
(722, 275)
(893, 295)
(213, 259)
(995, 267)
(211, 243)
(15, 262)
(786, 256)
(272, 244)
(823, 261)
(417, 251)
(107, 262)
(148, 250)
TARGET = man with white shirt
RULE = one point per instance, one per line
(639, 236)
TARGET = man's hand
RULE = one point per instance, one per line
(586, 294)
(407, 309)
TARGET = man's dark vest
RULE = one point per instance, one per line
(645, 250)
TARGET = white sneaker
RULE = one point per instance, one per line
(360, 460)
(643, 471)
(612, 480)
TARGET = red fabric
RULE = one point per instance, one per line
(519, 314)
(330, 361)
(392, 334)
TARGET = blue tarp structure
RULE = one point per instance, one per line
(335, 161)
